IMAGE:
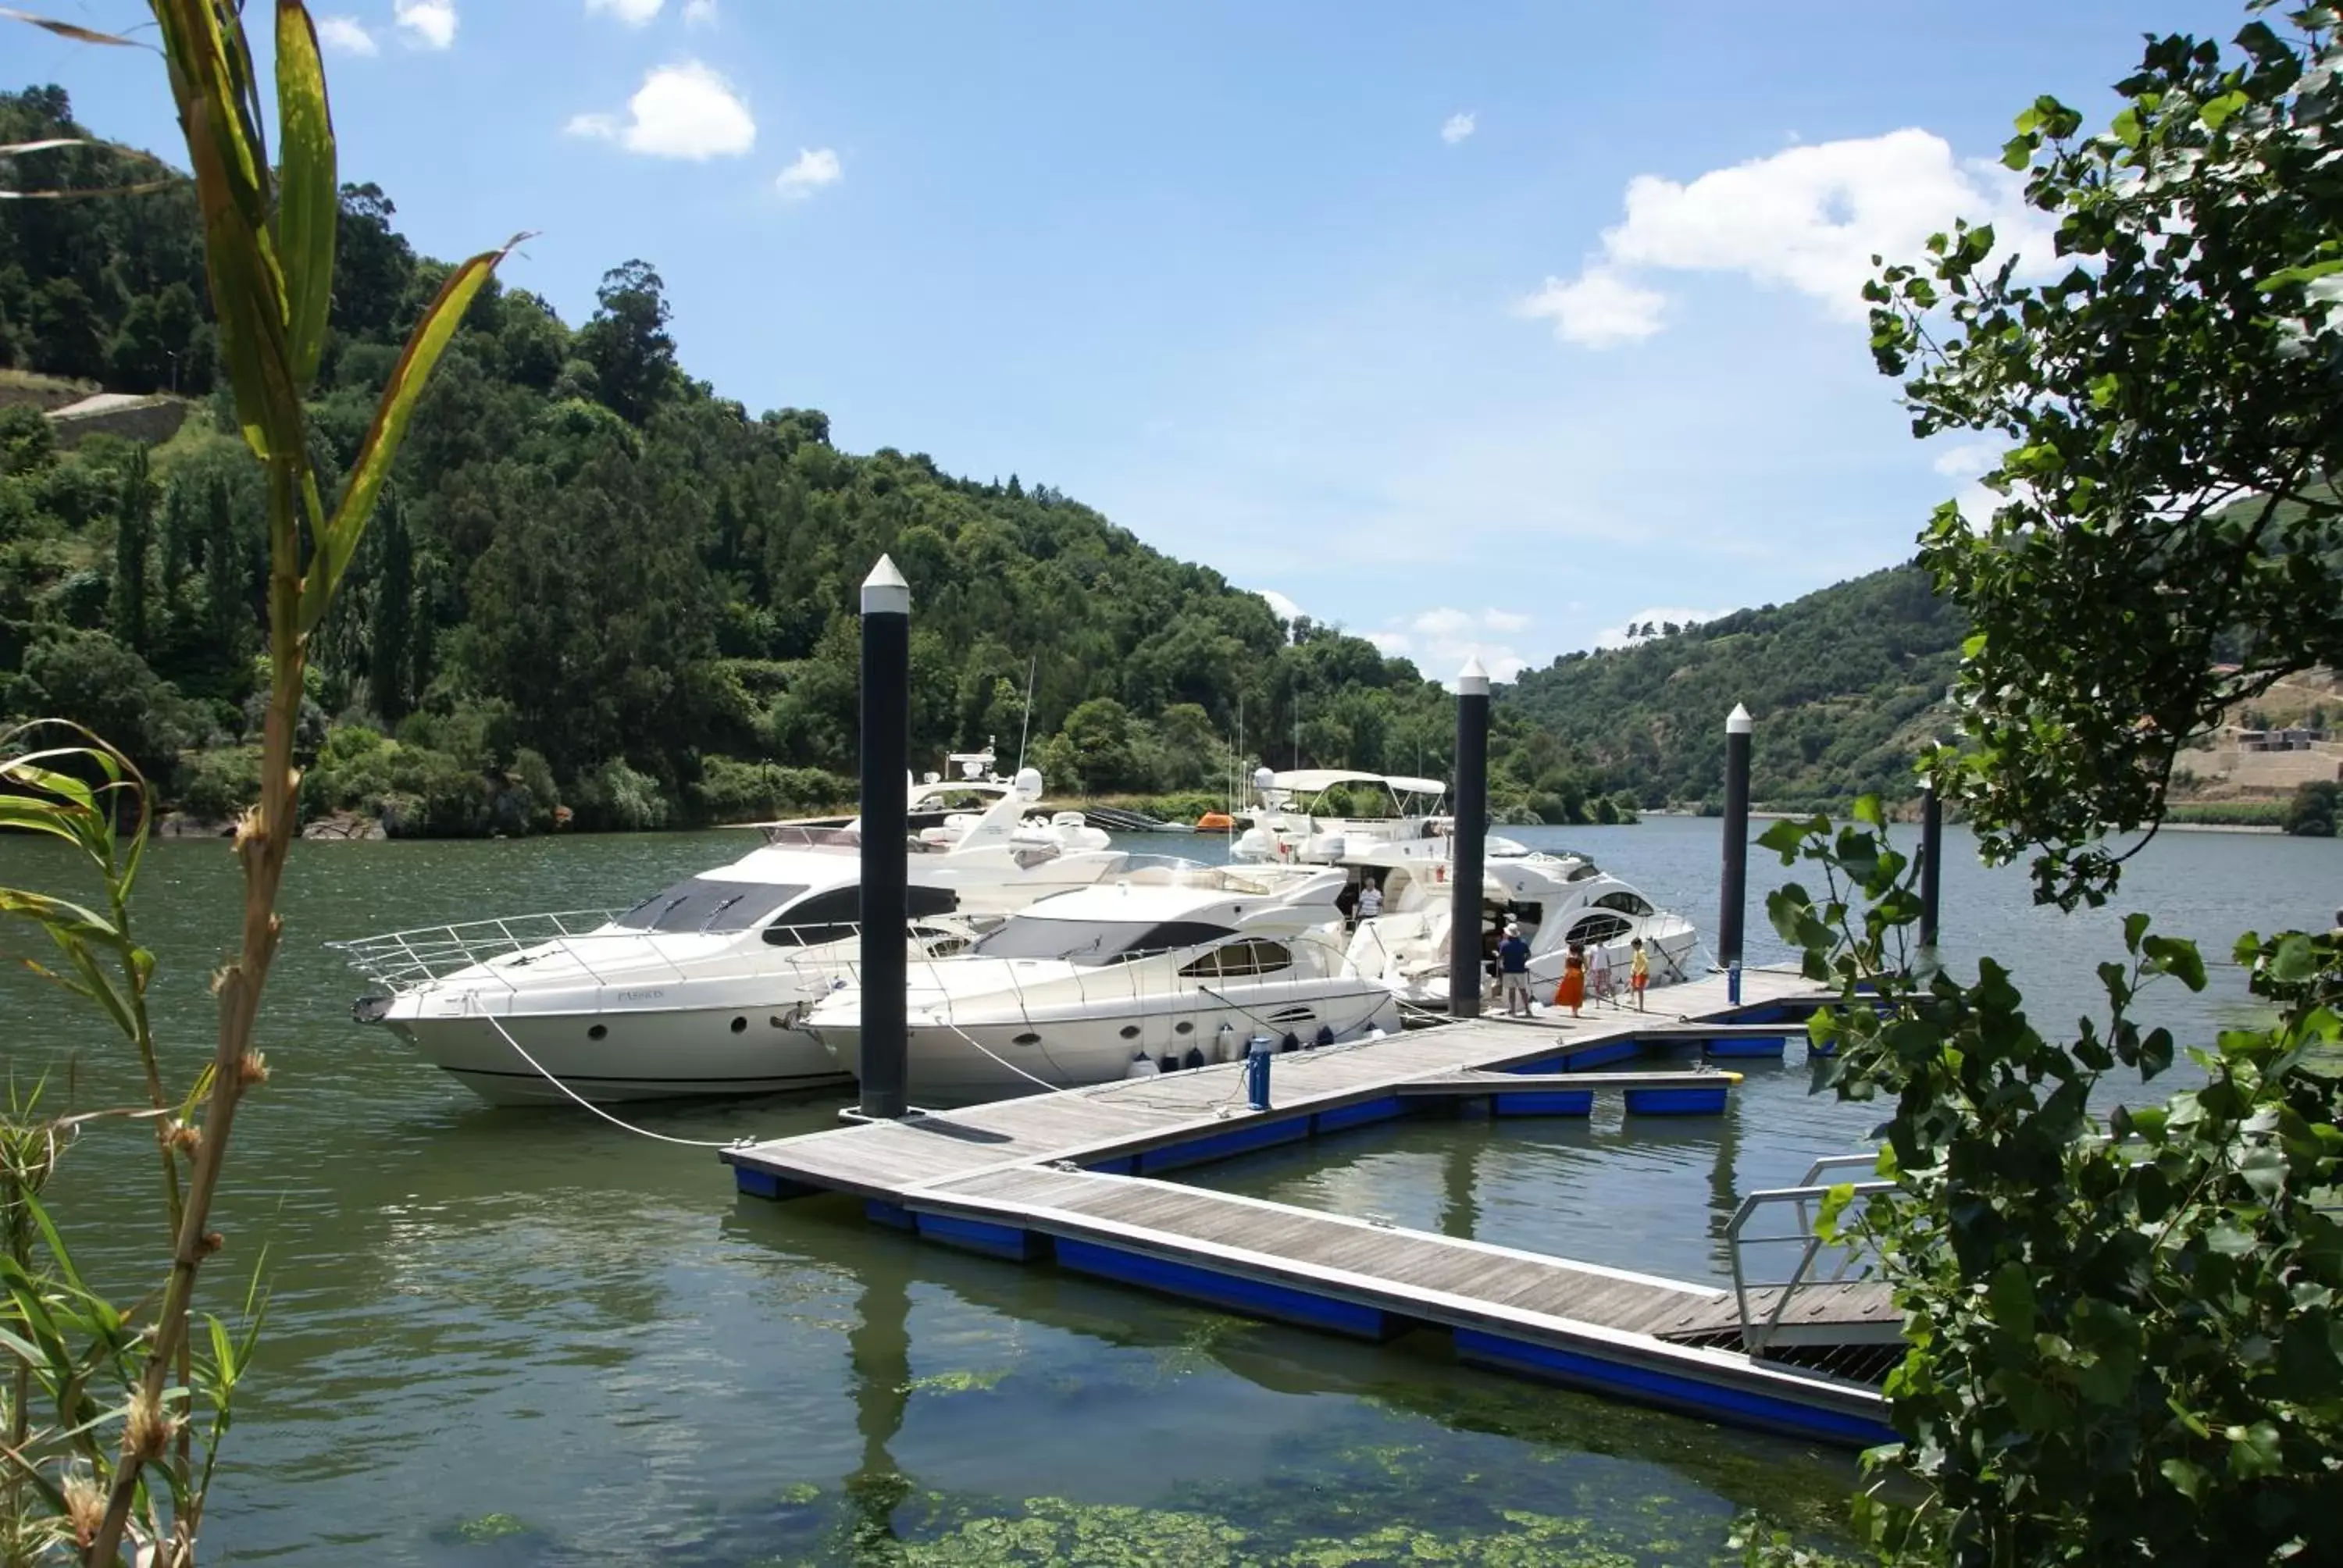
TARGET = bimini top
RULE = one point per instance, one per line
(1309, 781)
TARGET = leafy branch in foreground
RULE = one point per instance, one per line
(269, 226)
(2168, 538)
(2124, 1336)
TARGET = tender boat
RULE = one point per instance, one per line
(1168, 966)
(700, 989)
(1556, 900)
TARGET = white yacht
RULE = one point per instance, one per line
(1556, 900)
(1176, 965)
(700, 989)
(1299, 821)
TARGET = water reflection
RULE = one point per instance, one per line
(524, 1336)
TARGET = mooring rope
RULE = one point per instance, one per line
(624, 1126)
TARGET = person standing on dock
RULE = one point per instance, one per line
(1572, 992)
(1514, 973)
(1639, 972)
(1598, 975)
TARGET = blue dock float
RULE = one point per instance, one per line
(1071, 1177)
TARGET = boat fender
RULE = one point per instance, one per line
(1193, 1059)
(1141, 1066)
(1326, 1035)
(1290, 1043)
(1168, 1062)
(1223, 1040)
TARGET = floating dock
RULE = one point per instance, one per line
(1071, 1176)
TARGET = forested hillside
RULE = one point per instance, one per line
(1841, 683)
(594, 581)
(598, 585)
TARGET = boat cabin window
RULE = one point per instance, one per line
(834, 915)
(1093, 942)
(706, 904)
(1627, 903)
(1240, 960)
(1600, 926)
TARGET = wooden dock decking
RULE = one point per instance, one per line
(1070, 1174)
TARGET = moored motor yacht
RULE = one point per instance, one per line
(1556, 900)
(1174, 964)
(1306, 816)
(700, 989)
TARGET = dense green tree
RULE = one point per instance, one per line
(627, 342)
(134, 534)
(2167, 540)
(90, 679)
(390, 653)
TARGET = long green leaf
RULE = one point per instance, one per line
(144, 188)
(307, 206)
(57, 914)
(210, 76)
(424, 347)
(67, 30)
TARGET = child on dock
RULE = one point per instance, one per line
(1639, 972)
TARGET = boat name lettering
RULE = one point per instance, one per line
(642, 995)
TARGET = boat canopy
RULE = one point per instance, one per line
(1311, 781)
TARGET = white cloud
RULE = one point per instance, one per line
(1600, 310)
(1967, 460)
(432, 22)
(633, 13)
(1440, 641)
(684, 111)
(1283, 607)
(345, 36)
(815, 168)
(698, 13)
(1659, 616)
(1808, 218)
(1456, 128)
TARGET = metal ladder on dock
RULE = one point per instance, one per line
(1815, 1304)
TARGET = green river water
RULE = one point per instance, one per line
(503, 1336)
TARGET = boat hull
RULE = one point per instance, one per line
(684, 1053)
(982, 1054)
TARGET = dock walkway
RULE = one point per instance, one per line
(1069, 1175)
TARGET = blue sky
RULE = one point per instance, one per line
(1472, 328)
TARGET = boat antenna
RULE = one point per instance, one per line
(1025, 731)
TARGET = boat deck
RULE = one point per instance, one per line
(1070, 1175)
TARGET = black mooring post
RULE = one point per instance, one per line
(1736, 839)
(1932, 863)
(1468, 842)
(886, 807)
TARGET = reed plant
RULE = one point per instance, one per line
(114, 1410)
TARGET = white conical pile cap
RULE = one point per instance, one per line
(884, 591)
(1473, 680)
(1737, 721)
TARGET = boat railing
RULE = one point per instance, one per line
(1822, 1260)
(503, 951)
(401, 960)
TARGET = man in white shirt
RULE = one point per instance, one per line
(1371, 902)
(1598, 972)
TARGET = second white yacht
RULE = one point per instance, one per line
(1170, 966)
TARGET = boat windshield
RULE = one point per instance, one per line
(707, 904)
(1093, 942)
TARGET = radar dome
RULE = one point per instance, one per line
(1263, 779)
(1028, 783)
